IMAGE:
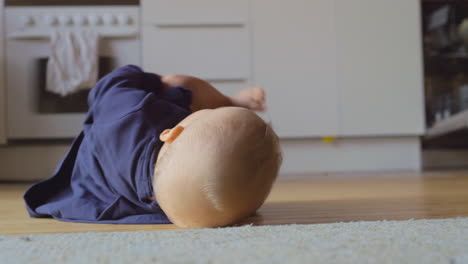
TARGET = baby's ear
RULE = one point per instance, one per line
(169, 135)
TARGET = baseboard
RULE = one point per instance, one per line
(30, 162)
(303, 156)
(300, 156)
(439, 159)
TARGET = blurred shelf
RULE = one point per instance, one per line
(442, 1)
(452, 124)
(448, 56)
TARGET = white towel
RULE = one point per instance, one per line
(73, 61)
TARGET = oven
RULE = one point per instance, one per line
(32, 111)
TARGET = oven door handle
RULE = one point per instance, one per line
(31, 35)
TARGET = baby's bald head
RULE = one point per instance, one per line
(221, 166)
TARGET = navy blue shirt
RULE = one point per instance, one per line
(106, 177)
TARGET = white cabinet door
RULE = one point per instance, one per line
(294, 60)
(213, 53)
(2, 82)
(205, 38)
(379, 67)
(194, 12)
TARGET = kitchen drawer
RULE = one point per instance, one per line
(214, 53)
(194, 12)
(229, 87)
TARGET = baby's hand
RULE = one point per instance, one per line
(251, 98)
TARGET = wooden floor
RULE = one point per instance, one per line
(322, 199)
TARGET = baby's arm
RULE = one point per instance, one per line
(205, 96)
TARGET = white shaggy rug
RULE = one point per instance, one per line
(412, 241)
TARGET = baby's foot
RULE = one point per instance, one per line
(251, 98)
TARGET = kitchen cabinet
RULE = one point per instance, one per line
(195, 13)
(346, 68)
(211, 53)
(209, 39)
(294, 60)
(379, 67)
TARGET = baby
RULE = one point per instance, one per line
(160, 149)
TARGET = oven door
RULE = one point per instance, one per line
(33, 112)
